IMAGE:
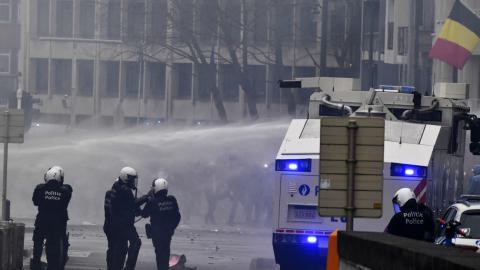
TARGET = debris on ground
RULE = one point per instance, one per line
(177, 262)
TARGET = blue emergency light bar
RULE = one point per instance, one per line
(405, 170)
(312, 239)
(398, 88)
(293, 165)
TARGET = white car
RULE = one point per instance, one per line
(466, 212)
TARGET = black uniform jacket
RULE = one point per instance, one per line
(121, 207)
(164, 214)
(410, 222)
(52, 199)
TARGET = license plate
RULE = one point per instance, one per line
(305, 214)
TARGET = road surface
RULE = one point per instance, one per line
(231, 248)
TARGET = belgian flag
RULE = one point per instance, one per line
(458, 37)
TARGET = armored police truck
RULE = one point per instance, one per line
(423, 150)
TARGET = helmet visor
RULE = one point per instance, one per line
(132, 181)
(396, 206)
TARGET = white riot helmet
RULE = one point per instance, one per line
(401, 197)
(53, 173)
(62, 173)
(159, 184)
(129, 176)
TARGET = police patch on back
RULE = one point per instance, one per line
(165, 205)
(413, 218)
(51, 195)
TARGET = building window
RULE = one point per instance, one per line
(390, 26)
(260, 21)
(62, 76)
(43, 18)
(390, 36)
(206, 80)
(308, 21)
(64, 18)
(403, 40)
(85, 77)
(114, 19)
(371, 26)
(41, 75)
(233, 10)
(206, 20)
(5, 11)
(157, 80)
(229, 81)
(284, 27)
(111, 80)
(257, 77)
(4, 63)
(136, 19)
(158, 21)
(182, 20)
(87, 19)
(340, 56)
(131, 79)
(184, 78)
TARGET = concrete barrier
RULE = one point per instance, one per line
(11, 245)
(365, 250)
(19, 236)
(5, 232)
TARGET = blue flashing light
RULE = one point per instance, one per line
(409, 172)
(293, 165)
(398, 88)
(405, 170)
(312, 239)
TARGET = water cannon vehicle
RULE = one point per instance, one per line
(424, 147)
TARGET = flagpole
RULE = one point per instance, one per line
(434, 67)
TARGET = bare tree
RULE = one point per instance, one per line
(224, 32)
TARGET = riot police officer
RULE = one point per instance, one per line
(408, 220)
(474, 186)
(52, 199)
(164, 218)
(121, 207)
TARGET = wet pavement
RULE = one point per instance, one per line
(231, 248)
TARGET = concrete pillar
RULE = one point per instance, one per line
(7, 245)
(52, 30)
(319, 35)
(19, 237)
(195, 89)
(270, 84)
(4, 238)
(74, 90)
(119, 117)
(243, 35)
(170, 82)
(147, 88)
(442, 72)
(470, 74)
(26, 14)
(169, 72)
(97, 69)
